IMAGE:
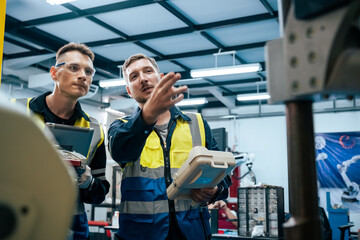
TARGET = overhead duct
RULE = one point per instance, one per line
(42, 80)
(20, 63)
(127, 105)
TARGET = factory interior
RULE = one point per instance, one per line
(286, 105)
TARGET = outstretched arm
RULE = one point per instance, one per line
(164, 96)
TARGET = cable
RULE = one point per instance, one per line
(252, 174)
(207, 237)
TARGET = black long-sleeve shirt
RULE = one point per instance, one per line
(96, 194)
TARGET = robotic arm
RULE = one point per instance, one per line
(352, 192)
(244, 158)
(248, 159)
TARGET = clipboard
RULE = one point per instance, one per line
(202, 169)
(71, 138)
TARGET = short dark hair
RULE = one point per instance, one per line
(134, 58)
(80, 47)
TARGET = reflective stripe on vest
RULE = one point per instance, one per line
(98, 137)
(197, 133)
(162, 206)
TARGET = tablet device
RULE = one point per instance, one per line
(72, 138)
(202, 169)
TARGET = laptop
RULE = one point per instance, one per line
(72, 138)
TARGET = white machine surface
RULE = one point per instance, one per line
(351, 194)
(37, 188)
(202, 169)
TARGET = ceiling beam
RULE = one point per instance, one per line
(18, 43)
(52, 43)
(184, 30)
(32, 53)
(262, 90)
(20, 63)
(229, 102)
(241, 83)
(212, 51)
(171, 56)
(86, 12)
(187, 21)
(124, 36)
(97, 21)
(268, 7)
(207, 36)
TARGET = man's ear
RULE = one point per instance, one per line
(128, 91)
(53, 73)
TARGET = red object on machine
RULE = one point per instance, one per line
(74, 162)
(235, 182)
(101, 223)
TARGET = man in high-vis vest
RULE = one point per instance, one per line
(73, 74)
(151, 145)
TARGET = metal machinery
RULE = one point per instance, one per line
(261, 211)
(317, 58)
(247, 159)
(37, 187)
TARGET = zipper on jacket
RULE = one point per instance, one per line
(167, 169)
(167, 173)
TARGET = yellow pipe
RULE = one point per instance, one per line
(2, 30)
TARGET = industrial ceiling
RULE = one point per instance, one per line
(182, 35)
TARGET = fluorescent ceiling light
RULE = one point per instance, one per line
(250, 97)
(208, 72)
(229, 117)
(192, 101)
(112, 83)
(58, 2)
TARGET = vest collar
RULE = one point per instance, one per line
(176, 113)
(37, 105)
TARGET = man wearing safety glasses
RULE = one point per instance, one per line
(73, 74)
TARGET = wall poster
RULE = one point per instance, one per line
(338, 168)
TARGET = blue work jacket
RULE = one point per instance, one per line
(150, 163)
